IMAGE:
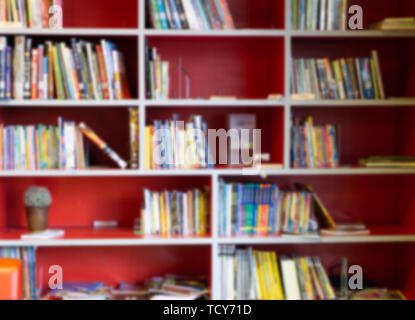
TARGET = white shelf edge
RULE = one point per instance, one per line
(350, 34)
(105, 242)
(205, 172)
(321, 240)
(108, 242)
(354, 103)
(68, 103)
(216, 33)
(119, 32)
(213, 103)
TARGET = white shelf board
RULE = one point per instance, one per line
(354, 103)
(214, 103)
(121, 32)
(216, 33)
(350, 34)
(69, 103)
(205, 172)
(320, 240)
(105, 242)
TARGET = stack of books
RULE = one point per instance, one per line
(396, 24)
(49, 147)
(157, 75)
(28, 258)
(175, 213)
(388, 162)
(313, 15)
(190, 14)
(26, 13)
(263, 210)
(248, 274)
(314, 146)
(340, 79)
(54, 70)
(175, 144)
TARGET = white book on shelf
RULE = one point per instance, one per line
(290, 279)
(191, 15)
(47, 234)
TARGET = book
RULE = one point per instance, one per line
(101, 144)
(43, 235)
(134, 137)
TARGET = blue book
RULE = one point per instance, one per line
(175, 14)
(203, 15)
(240, 213)
(85, 287)
(162, 15)
(367, 80)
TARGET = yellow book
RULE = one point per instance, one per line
(277, 276)
(158, 77)
(307, 278)
(272, 287)
(148, 159)
(163, 220)
(260, 279)
(375, 79)
(14, 11)
(312, 140)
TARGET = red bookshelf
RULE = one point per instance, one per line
(250, 63)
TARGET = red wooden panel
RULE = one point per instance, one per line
(77, 202)
(100, 14)
(269, 120)
(242, 67)
(362, 131)
(370, 199)
(113, 265)
(264, 14)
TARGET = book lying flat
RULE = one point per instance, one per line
(47, 234)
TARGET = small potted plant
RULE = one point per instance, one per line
(37, 201)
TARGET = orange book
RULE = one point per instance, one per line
(34, 65)
(103, 73)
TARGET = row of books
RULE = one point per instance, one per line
(33, 147)
(175, 213)
(314, 146)
(53, 70)
(190, 14)
(27, 255)
(346, 78)
(26, 13)
(157, 75)
(313, 15)
(174, 144)
(248, 274)
(263, 210)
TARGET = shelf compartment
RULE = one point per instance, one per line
(90, 199)
(364, 131)
(248, 68)
(105, 14)
(122, 264)
(270, 121)
(395, 55)
(383, 203)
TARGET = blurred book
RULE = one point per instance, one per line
(346, 230)
(395, 24)
(378, 294)
(80, 291)
(388, 162)
(178, 288)
(47, 234)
